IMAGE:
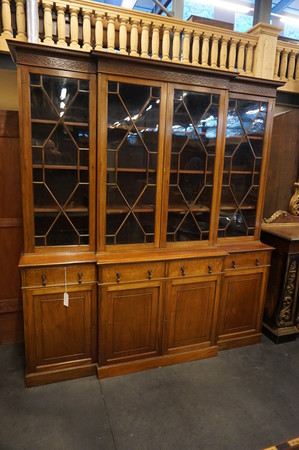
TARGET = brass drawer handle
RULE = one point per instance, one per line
(149, 274)
(257, 261)
(44, 280)
(80, 277)
(117, 277)
(210, 268)
(183, 271)
(234, 264)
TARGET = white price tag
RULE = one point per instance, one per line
(66, 299)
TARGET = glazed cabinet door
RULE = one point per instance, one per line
(58, 159)
(131, 135)
(244, 168)
(57, 336)
(241, 307)
(129, 323)
(191, 311)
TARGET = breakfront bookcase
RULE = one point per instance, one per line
(143, 186)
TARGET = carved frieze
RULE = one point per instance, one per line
(286, 312)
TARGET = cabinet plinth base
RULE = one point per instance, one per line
(280, 335)
(153, 363)
(54, 376)
(225, 343)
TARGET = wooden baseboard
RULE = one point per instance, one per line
(239, 341)
(53, 376)
(153, 363)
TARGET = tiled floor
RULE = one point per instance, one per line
(244, 399)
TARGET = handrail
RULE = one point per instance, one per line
(86, 25)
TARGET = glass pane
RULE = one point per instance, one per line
(41, 106)
(35, 79)
(78, 111)
(60, 149)
(43, 198)
(61, 183)
(80, 222)
(80, 135)
(61, 91)
(43, 222)
(79, 199)
(133, 119)
(62, 233)
(135, 97)
(40, 133)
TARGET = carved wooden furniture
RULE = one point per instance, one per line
(170, 232)
(281, 307)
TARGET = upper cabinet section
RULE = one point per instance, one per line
(120, 153)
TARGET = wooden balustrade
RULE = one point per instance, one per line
(86, 25)
(287, 65)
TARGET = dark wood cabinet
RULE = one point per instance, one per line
(147, 180)
(280, 321)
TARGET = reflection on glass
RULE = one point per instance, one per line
(60, 157)
(242, 165)
(132, 149)
(194, 131)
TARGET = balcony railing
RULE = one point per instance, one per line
(86, 25)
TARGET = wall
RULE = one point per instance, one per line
(8, 90)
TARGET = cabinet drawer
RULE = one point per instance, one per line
(53, 276)
(131, 272)
(193, 267)
(249, 259)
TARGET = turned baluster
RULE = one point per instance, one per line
(276, 65)
(223, 53)
(123, 36)
(61, 24)
(214, 51)
(297, 68)
(6, 19)
(176, 45)
(232, 55)
(48, 22)
(99, 32)
(21, 22)
(249, 59)
(195, 49)
(111, 33)
(283, 64)
(240, 58)
(166, 43)
(134, 38)
(155, 41)
(186, 47)
(144, 38)
(74, 27)
(291, 66)
(87, 29)
(205, 50)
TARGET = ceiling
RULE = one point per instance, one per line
(283, 7)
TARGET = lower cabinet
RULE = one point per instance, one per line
(60, 339)
(129, 323)
(191, 314)
(161, 321)
(242, 300)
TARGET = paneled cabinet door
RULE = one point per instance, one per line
(241, 308)
(129, 323)
(57, 334)
(191, 311)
